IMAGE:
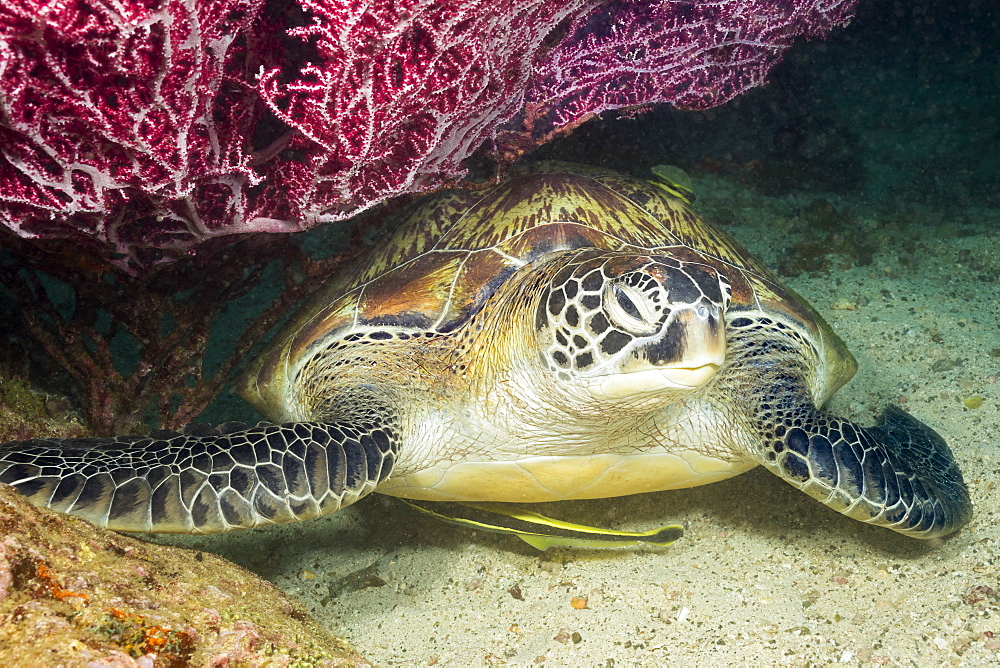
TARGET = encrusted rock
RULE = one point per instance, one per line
(72, 594)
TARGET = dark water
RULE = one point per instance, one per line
(903, 105)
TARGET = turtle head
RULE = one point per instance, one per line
(625, 324)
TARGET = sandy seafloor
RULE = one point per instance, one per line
(764, 574)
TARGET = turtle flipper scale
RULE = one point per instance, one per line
(899, 474)
(207, 483)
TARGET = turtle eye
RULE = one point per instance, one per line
(628, 310)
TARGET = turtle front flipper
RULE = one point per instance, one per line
(203, 481)
(898, 474)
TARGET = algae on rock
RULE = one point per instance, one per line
(72, 594)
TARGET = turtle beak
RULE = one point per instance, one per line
(692, 347)
(685, 357)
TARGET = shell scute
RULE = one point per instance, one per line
(677, 226)
(413, 295)
(480, 275)
(425, 225)
(553, 237)
(535, 202)
(438, 291)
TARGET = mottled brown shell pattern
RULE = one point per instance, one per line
(447, 256)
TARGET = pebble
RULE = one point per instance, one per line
(973, 401)
(549, 566)
(844, 305)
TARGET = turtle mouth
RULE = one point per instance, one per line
(690, 376)
(622, 385)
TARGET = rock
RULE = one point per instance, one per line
(72, 594)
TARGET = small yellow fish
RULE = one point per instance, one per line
(675, 181)
(539, 531)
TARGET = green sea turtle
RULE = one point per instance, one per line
(570, 333)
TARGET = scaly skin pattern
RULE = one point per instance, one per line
(899, 474)
(209, 481)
